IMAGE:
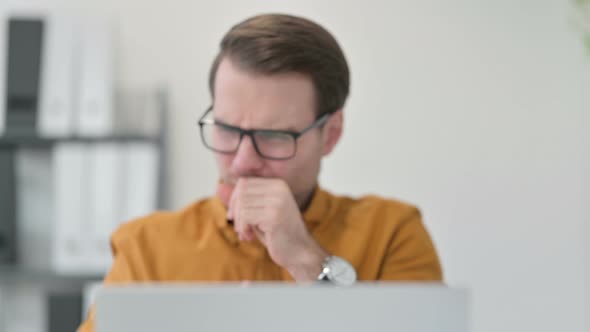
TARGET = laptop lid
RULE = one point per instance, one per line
(281, 307)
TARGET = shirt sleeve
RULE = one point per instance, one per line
(411, 255)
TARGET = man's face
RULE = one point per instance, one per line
(279, 102)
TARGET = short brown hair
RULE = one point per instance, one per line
(277, 43)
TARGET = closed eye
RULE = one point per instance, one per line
(275, 136)
(226, 127)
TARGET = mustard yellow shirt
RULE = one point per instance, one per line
(382, 239)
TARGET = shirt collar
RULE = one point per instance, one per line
(318, 207)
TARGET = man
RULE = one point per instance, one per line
(278, 85)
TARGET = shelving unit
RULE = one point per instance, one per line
(12, 274)
(18, 141)
(53, 284)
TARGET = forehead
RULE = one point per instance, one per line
(248, 99)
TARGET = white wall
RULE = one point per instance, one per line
(479, 104)
(471, 109)
(480, 107)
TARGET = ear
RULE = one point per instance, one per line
(332, 132)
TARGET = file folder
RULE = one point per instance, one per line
(35, 207)
(7, 207)
(107, 188)
(141, 179)
(56, 110)
(25, 38)
(3, 67)
(72, 203)
(96, 93)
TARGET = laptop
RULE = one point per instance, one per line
(223, 307)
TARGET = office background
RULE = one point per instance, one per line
(476, 111)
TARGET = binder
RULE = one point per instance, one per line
(72, 197)
(25, 308)
(56, 110)
(141, 179)
(25, 37)
(95, 106)
(63, 311)
(35, 208)
(3, 67)
(7, 207)
(106, 182)
(3, 305)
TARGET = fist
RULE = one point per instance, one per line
(265, 209)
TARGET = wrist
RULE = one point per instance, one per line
(308, 263)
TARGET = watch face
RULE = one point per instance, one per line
(341, 272)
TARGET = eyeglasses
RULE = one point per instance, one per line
(269, 144)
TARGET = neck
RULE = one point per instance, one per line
(305, 200)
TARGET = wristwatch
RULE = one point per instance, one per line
(337, 271)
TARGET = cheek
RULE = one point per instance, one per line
(223, 162)
(302, 171)
(309, 152)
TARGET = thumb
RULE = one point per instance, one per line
(224, 192)
(260, 235)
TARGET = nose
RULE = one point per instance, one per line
(246, 160)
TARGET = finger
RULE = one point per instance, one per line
(259, 186)
(255, 201)
(265, 184)
(231, 208)
(248, 234)
(258, 221)
(260, 235)
(235, 211)
(248, 219)
(224, 192)
(248, 209)
(244, 214)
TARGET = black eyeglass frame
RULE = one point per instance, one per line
(319, 121)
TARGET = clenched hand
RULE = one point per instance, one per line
(265, 208)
